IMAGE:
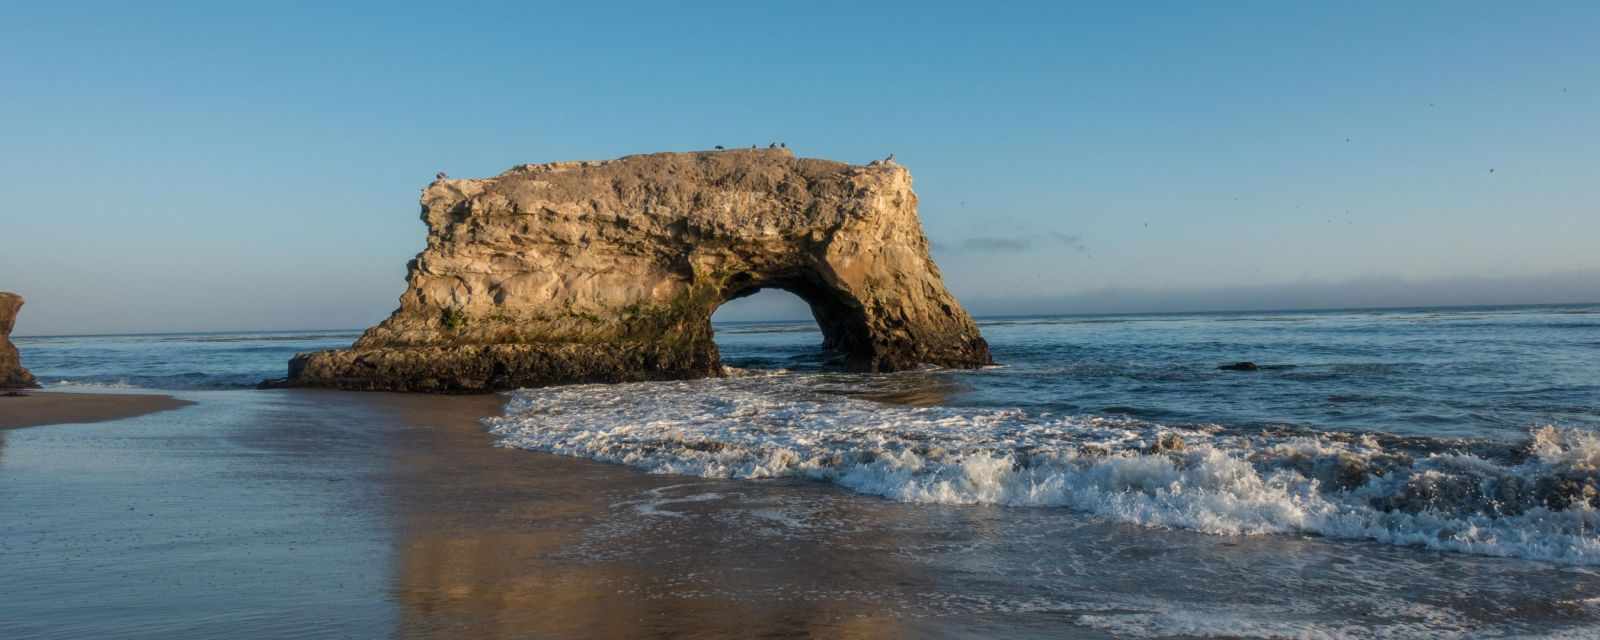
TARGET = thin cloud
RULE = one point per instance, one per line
(1070, 241)
(1014, 244)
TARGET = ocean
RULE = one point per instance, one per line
(1491, 373)
(1382, 473)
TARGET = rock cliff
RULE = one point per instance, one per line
(610, 271)
(12, 375)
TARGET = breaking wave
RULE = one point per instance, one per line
(1538, 500)
(114, 383)
(186, 381)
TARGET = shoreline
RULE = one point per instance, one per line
(45, 408)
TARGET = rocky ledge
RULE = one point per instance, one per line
(610, 271)
(12, 375)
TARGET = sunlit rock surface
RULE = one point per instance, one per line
(610, 271)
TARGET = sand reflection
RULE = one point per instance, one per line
(495, 543)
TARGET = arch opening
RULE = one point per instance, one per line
(787, 324)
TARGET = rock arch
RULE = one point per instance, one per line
(610, 271)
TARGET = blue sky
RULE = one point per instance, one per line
(191, 167)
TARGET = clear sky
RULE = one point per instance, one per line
(191, 167)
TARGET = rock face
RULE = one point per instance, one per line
(610, 271)
(12, 375)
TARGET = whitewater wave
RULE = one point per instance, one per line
(1537, 500)
(192, 381)
(738, 372)
(117, 383)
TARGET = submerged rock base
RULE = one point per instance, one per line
(482, 368)
(610, 271)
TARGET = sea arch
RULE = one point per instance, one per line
(610, 271)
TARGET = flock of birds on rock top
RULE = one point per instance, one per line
(780, 145)
(776, 145)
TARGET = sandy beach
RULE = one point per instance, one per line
(37, 408)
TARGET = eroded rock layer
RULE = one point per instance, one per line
(12, 375)
(610, 271)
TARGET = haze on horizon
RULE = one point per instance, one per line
(187, 167)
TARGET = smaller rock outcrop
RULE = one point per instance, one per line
(1240, 366)
(1167, 442)
(12, 375)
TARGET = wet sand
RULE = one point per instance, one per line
(317, 514)
(36, 408)
(330, 514)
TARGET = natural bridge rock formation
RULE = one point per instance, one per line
(609, 271)
(12, 375)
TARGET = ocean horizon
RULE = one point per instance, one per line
(976, 316)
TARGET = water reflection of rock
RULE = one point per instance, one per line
(496, 543)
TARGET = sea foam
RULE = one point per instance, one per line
(1536, 500)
